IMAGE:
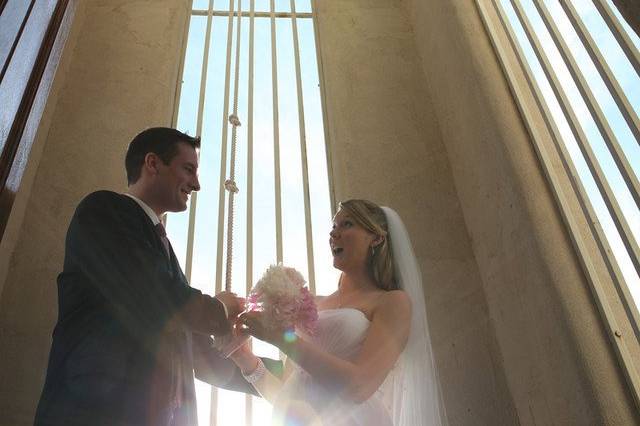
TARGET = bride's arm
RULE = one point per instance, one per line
(360, 378)
(267, 384)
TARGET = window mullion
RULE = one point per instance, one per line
(276, 135)
(611, 201)
(623, 38)
(303, 153)
(555, 178)
(607, 133)
(603, 68)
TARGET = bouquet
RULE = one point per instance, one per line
(283, 299)
(285, 303)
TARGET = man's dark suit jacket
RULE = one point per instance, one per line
(126, 314)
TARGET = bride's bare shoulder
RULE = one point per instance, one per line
(395, 299)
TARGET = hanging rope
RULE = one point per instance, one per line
(230, 184)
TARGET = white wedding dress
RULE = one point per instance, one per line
(302, 401)
(409, 396)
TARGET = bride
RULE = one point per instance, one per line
(370, 360)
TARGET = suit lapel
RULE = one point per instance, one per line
(148, 227)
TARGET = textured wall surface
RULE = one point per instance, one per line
(120, 77)
(559, 364)
(386, 145)
(419, 119)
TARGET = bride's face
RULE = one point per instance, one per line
(350, 243)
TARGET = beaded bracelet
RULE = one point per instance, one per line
(256, 374)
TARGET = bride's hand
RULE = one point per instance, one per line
(251, 323)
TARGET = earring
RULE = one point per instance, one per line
(373, 251)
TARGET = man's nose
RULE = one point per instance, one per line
(196, 184)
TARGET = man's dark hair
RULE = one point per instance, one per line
(162, 141)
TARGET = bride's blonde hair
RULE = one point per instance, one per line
(371, 217)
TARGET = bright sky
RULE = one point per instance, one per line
(294, 241)
(293, 216)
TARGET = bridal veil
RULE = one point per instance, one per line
(415, 396)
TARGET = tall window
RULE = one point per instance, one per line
(581, 64)
(255, 59)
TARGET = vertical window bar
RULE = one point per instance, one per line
(276, 134)
(249, 265)
(194, 195)
(232, 162)
(629, 369)
(597, 113)
(609, 197)
(221, 189)
(214, 419)
(603, 68)
(303, 152)
(323, 103)
(223, 150)
(630, 306)
(619, 33)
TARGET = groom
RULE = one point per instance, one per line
(131, 332)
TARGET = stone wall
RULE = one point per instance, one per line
(559, 363)
(420, 119)
(118, 75)
(386, 145)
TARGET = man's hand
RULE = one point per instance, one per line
(232, 302)
(252, 323)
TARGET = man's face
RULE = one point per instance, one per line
(177, 179)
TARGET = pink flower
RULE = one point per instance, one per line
(284, 300)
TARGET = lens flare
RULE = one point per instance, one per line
(290, 336)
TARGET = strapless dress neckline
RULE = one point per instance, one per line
(346, 308)
(302, 400)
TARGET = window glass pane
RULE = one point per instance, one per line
(200, 5)
(262, 5)
(615, 57)
(191, 76)
(283, 5)
(326, 275)
(239, 257)
(264, 218)
(599, 89)
(603, 158)
(632, 34)
(206, 223)
(293, 214)
(177, 223)
(214, 118)
(621, 194)
(231, 410)
(303, 6)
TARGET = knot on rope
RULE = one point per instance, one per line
(234, 120)
(231, 186)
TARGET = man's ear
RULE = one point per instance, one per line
(151, 163)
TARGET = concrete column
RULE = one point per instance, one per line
(386, 145)
(118, 75)
(559, 363)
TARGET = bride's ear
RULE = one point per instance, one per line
(379, 239)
